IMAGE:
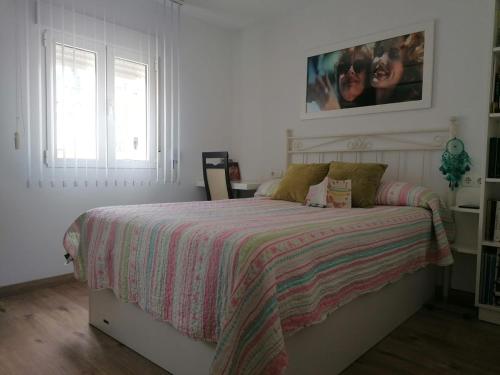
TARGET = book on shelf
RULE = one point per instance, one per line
(492, 220)
(489, 278)
(493, 278)
(494, 158)
(482, 279)
(497, 21)
(496, 92)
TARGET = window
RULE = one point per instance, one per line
(75, 110)
(131, 118)
(97, 93)
(101, 105)
(130, 89)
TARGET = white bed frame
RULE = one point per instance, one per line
(325, 348)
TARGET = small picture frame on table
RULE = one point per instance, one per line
(234, 171)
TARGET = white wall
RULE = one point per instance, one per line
(33, 221)
(241, 90)
(270, 63)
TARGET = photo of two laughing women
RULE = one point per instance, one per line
(386, 71)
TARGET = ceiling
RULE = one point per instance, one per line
(238, 14)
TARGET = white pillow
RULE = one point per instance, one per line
(330, 193)
(267, 188)
(317, 194)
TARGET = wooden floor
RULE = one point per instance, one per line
(46, 332)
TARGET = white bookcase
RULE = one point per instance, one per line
(490, 190)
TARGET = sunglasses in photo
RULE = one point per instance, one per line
(358, 66)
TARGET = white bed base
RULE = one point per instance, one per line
(329, 347)
(322, 349)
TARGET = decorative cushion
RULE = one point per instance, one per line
(406, 194)
(317, 194)
(396, 193)
(365, 179)
(330, 193)
(295, 185)
(339, 194)
(267, 188)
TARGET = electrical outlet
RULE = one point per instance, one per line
(276, 173)
(470, 180)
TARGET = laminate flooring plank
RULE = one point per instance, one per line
(46, 331)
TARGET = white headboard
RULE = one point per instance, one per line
(413, 156)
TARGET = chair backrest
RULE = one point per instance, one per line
(216, 177)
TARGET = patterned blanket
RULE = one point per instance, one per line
(246, 272)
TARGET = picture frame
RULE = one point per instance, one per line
(234, 171)
(414, 93)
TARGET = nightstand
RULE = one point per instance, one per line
(466, 238)
(466, 224)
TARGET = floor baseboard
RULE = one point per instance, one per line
(29, 286)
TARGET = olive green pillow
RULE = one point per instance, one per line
(295, 185)
(365, 179)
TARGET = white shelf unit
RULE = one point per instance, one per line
(489, 313)
(490, 190)
(467, 222)
(464, 250)
(465, 210)
(489, 307)
(490, 243)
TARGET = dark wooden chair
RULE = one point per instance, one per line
(216, 176)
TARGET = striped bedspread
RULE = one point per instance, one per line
(246, 272)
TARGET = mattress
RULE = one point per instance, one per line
(244, 273)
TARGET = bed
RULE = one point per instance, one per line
(256, 285)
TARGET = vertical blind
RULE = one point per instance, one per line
(98, 91)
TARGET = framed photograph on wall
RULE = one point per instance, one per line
(388, 71)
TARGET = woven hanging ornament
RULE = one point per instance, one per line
(455, 162)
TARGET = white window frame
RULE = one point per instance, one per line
(50, 40)
(133, 56)
(105, 89)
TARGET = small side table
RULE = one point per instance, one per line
(237, 186)
(466, 241)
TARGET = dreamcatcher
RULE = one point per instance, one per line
(455, 162)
